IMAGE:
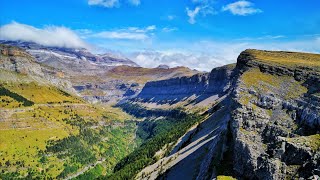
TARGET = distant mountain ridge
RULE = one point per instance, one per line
(104, 78)
(40, 52)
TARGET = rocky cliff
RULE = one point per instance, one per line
(201, 86)
(275, 118)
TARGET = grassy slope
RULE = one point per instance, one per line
(26, 131)
(290, 59)
(56, 134)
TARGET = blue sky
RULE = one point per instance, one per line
(202, 31)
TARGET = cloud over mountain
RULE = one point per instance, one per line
(153, 59)
(48, 36)
(131, 33)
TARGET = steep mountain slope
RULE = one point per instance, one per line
(259, 120)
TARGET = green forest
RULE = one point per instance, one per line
(156, 135)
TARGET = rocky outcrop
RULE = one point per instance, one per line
(17, 60)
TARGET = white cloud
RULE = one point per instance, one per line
(131, 33)
(151, 59)
(135, 2)
(151, 28)
(121, 35)
(192, 14)
(171, 17)
(168, 29)
(266, 37)
(48, 36)
(203, 8)
(112, 3)
(241, 8)
(104, 3)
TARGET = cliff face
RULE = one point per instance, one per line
(202, 86)
(276, 115)
(271, 101)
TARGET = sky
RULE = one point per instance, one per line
(200, 34)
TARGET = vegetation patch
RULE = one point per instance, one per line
(21, 149)
(41, 94)
(93, 173)
(15, 96)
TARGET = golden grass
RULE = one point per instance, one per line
(264, 82)
(8, 102)
(40, 94)
(290, 59)
(225, 178)
(26, 131)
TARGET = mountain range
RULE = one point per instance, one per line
(70, 114)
